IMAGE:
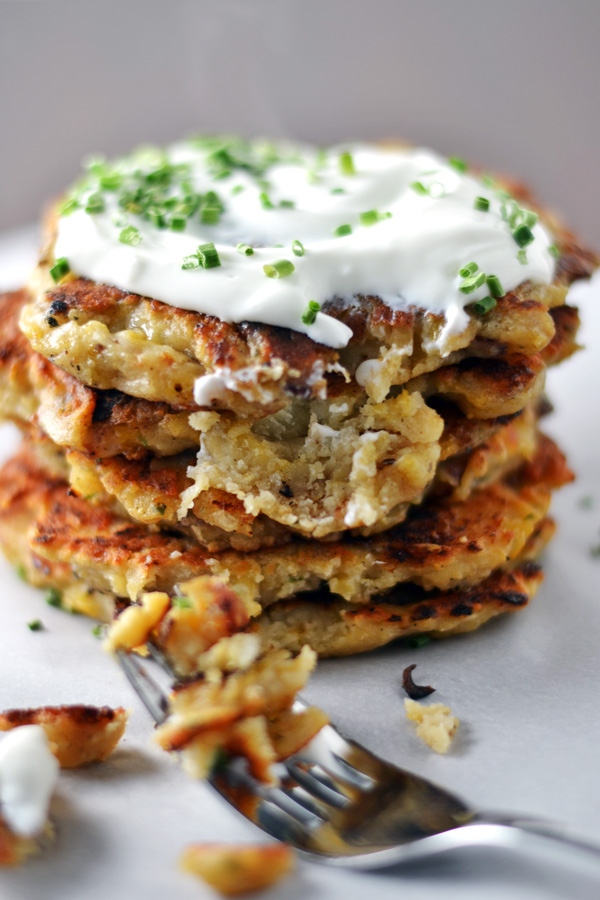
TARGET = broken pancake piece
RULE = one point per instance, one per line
(77, 734)
(234, 869)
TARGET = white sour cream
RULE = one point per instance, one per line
(28, 774)
(411, 258)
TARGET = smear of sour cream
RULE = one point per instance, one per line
(428, 227)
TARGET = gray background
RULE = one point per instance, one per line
(512, 85)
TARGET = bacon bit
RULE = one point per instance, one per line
(414, 691)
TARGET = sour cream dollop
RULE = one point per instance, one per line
(408, 219)
(28, 774)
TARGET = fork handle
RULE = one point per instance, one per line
(555, 832)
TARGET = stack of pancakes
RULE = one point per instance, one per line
(346, 497)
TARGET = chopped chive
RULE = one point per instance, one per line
(595, 551)
(281, 268)
(482, 204)
(190, 262)
(488, 181)
(554, 251)
(586, 502)
(484, 306)
(59, 269)
(472, 283)
(494, 286)
(98, 631)
(522, 257)
(287, 204)
(181, 602)
(22, 572)
(371, 217)
(458, 164)
(68, 207)
(155, 215)
(36, 625)
(244, 249)
(338, 190)
(178, 222)
(208, 256)
(419, 187)
(297, 248)
(342, 230)
(111, 181)
(265, 201)
(210, 215)
(94, 204)
(523, 235)
(469, 269)
(237, 189)
(130, 235)
(310, 315)
(263, 183)
(346, 163)
(529, 218)
(419, 640)
(54, 598)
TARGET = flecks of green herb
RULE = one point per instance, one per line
(419, 640)
(181, 602)
(245, 250)
(98, 631)
(586, 502)
(483, 306)
(60, 269)
(297, 248)
(310, 315)
(281, 268)
(36, 625)
(54, 598)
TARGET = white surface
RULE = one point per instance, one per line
(525, 689)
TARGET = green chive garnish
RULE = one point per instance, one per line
(418, 187)
(265, 201)
(338, 190)
(483, 306)
(237, 189)
(130, 235)
(181, 602)
(419, 640)
(287, 204)
(156, 216)
(111, 181)
(54, 598)
(482, 204)
(310, 315)
(208, 256)
(469, 269)
(98, 631)
(244, 249)
(190, 262)
(470, 284)
(494, 286)
(281, 268)
(457, 163)
(210, 215)
(522, 257)
(369, 218)
(68, 207)
(529, 218)
(95, 204)
(554, 251)
(36, 625)
(342, 230)
(523, 235)
(178, 222)
(297, 248)
(346, 163)
(59, 269)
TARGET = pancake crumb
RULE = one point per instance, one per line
(436, 725)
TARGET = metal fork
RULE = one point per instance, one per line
(339, 804)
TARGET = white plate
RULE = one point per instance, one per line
(524, 687)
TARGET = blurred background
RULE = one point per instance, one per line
(510, 85)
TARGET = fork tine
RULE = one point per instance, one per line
(150, 693)
(324, 790)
